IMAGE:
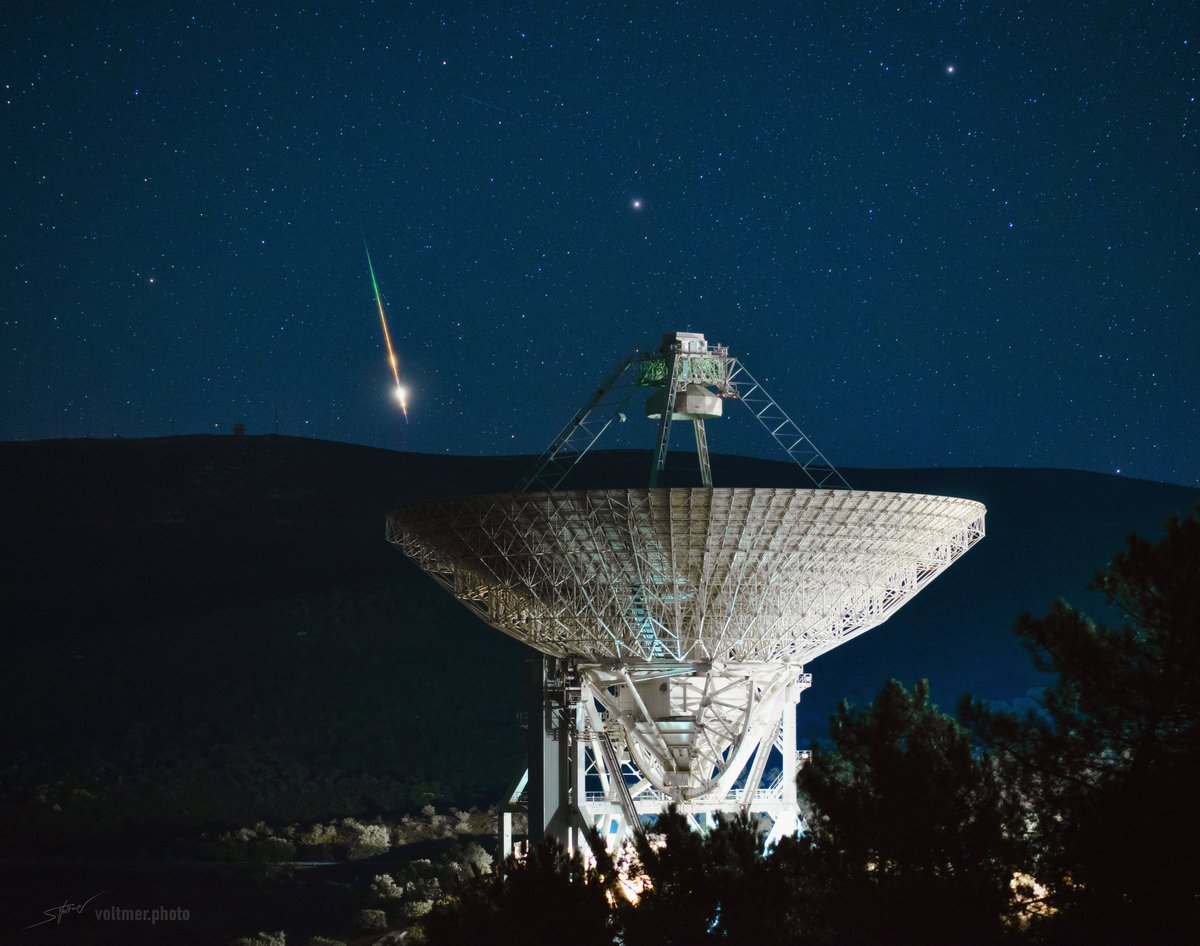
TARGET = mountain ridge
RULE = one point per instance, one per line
(211, 602)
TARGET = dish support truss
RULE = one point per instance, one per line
(601, 737)
(683, 360)
(675, 625)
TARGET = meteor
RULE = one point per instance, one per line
(401, 391)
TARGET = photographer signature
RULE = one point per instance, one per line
(55, 914)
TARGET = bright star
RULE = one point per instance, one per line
(636, 203)
(950, 69)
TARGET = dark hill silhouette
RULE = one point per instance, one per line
(217, 625)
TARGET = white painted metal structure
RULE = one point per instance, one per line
(677, 623)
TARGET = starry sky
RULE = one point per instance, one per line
(948, 234)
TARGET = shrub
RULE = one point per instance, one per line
(369, 840)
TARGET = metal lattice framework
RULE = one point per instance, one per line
(583, 430)
(685, 575)
(676, 624)
(794, 441)
(690, 612)
(672, 368)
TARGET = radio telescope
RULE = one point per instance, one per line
(675, 624)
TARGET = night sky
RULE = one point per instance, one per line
(950, 234)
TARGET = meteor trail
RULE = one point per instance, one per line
(401, 393)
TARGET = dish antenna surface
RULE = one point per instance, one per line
(675, 623)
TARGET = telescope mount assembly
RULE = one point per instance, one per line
(675, 624)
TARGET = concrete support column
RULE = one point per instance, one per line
(550, 741)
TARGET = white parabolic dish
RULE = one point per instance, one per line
(677, 623)
(687, 576)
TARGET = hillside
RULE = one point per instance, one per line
(208, 630)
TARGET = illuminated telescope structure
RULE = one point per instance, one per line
(675, 624)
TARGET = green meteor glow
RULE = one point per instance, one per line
(401, 393)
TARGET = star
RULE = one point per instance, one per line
(636, 203)
(950, 69)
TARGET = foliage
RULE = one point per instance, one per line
(277, 938)
(905, 812)
(370, 840)
(350, 839)
(371, 919)
(384, 887)
(550, 897)
(715, 887)
(1109, 766)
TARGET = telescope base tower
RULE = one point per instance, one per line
(582, 775)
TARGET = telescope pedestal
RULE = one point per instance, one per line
(583, 774)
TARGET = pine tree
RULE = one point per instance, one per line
(1110, 766)
(714, 887)
(911, 832)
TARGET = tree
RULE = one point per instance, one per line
(1109, 766)
(678, 902)
(762, 899)
(912, 835)
(717, 886)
